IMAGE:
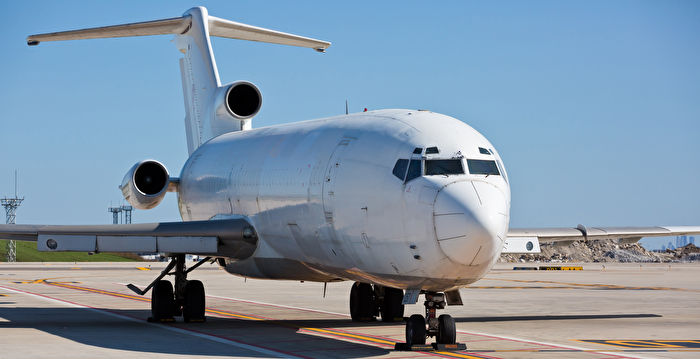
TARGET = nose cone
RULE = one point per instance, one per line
(470, 221)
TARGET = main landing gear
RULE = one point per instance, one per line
(368, 301)
(185, 299)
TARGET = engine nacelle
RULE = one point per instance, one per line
(145, 185)
(240, 101)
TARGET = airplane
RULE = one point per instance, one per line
(402, 202)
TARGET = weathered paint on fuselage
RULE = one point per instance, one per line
(326, 206)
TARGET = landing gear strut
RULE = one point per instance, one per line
(186, 298)
(419, 328)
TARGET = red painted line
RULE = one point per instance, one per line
(544, 344)
(213, 311)
(277, 305)
(137, 318)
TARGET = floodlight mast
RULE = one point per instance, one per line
(11, 204)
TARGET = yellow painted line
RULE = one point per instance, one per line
(592, 285)
(75, 268)
(233, 315)
(647, 344)
(457, 355)
(143, 268)
(68, 286)
(356, 336)
(271, 321)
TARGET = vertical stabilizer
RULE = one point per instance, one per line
(200, 79)
(210, 109)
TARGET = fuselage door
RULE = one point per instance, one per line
(329, 180)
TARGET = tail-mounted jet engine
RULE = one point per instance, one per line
(146, 183)
(240, 100)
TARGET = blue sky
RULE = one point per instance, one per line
(593, 105)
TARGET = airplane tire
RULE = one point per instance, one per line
(447, 331)
(392, 309)
(362, 302)
(162, 300)
(415, 330)
(193, 308)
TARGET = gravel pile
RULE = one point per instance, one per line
(604, 251)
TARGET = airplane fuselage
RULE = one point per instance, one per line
(332, 200)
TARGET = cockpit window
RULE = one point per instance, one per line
(418, 151)
(483, 167)
(443, 167)
(400, 169)
(484, 151)
(431, 150)
(400, 172)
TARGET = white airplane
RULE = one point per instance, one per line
(403, 202)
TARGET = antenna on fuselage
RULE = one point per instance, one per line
(346, 107)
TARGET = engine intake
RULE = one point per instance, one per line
(241, 100)
(145, 184)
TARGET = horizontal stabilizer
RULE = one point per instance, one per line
(180, 26)
(176, 25)
(236, 30)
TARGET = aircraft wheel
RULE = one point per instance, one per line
(162, 301)
(193, 307)
(392, 309)
(362, 302)
(415, 330)
(447, 331)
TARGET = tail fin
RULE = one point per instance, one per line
(200, 77)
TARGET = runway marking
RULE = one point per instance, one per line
(212, 337)
(586, 285)
(143, 268)
(552, 347)
(278, 305)
(384, 342)
(649, 344)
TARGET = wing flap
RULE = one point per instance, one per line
(234, 237)
(550, 235)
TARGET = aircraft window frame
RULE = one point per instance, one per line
(414, 171)
(432, 150)
(484, 151)
(477, 167)
(456, 169)
(406, 170)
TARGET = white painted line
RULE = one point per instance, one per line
(626, 355)
(166, 327)
(279, 305)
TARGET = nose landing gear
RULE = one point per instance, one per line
(419, 328)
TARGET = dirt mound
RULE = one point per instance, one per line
(604, 251)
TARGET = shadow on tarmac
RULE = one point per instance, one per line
(517, 318)
(93, 328)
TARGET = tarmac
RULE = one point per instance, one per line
(84, 310)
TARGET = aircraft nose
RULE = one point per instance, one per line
(470, 221)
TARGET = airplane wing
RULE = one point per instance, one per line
(235, 238)
(526, 240)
